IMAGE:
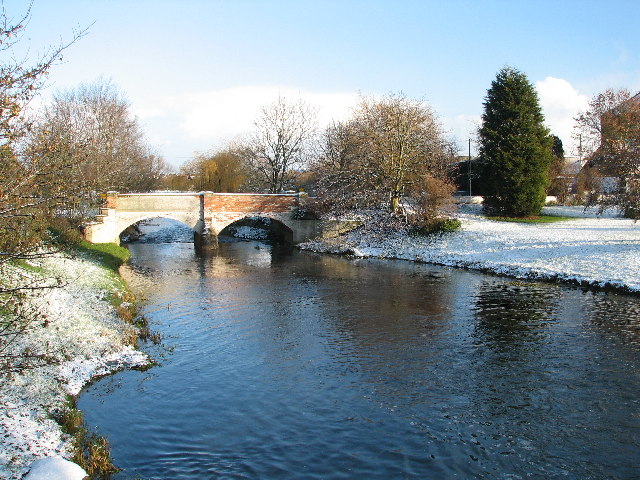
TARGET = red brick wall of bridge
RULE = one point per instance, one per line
(250, 203)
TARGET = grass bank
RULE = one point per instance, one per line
(86, 327)
(92, 450)
(108, 255)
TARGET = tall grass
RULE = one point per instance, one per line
(91, 450)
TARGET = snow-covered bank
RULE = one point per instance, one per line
(84, 336)
(599, 251)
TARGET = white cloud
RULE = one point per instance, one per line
(560, 103)
(229, 112)
(180, 125)
(200, 121)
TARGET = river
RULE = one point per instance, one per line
(281, 364)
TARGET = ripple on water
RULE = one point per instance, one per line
(306, 366)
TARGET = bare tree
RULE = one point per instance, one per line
(343, 181)
(403, 141)
(281, 142)
(609, 133)
(391, 149)
(93, 126)
(30, 188)
(30, 185)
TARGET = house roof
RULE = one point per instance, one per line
(598, 159)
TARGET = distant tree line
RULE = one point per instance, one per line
(393, 155)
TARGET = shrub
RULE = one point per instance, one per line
(433, 198)
(439, 225)
(63, 233)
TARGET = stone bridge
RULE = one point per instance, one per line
(207, 213)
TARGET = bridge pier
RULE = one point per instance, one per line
(204, 238)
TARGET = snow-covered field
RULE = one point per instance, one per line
(87, 340)
(599, 251)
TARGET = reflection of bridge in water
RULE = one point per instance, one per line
(207, 213)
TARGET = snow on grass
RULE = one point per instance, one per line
(594, 250)
(85, 339)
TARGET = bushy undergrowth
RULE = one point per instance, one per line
(62, 234)
(91, 450)
(441, 225)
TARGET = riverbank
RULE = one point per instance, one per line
(83, 338)
(599, 251)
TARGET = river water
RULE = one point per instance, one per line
(281, 364)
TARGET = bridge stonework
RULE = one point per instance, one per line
(207, 214)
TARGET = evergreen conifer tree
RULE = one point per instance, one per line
(515, 147)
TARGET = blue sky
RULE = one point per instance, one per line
(197, 72)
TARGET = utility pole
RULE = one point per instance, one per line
(580, 150)
(469, 168)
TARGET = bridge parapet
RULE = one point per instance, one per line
(154, 202)
(251, 202)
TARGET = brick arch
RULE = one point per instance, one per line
(281, 227)
(123, 223)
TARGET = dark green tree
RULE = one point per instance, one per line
(515, 146)
(557, 149)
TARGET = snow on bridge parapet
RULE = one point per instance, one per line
(207, 213)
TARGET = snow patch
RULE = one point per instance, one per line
(596, 250)
(76, 373)
(84, 338)
(250, 233)
(55, 468)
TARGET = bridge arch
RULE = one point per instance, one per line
(174, 218)
(277, 229)
(123, 224)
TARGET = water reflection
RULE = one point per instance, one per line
(514, 315)
(284, 364)
(616, 317)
